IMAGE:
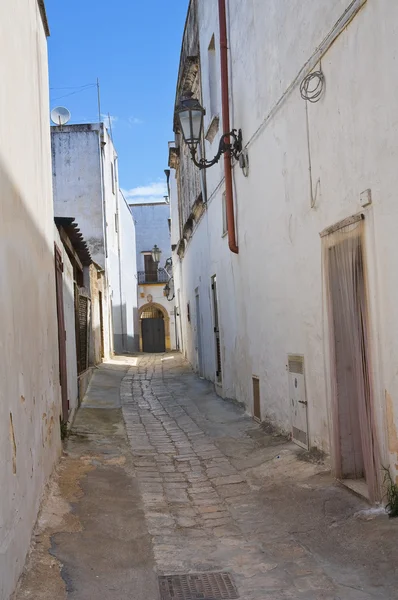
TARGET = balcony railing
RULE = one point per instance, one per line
(159, 276)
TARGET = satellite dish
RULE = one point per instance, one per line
(60, 115)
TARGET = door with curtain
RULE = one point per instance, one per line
(355, 446)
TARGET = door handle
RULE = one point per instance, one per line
(303, 402)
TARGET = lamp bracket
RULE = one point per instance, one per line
(234, 148)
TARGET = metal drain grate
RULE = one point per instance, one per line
(198, 586)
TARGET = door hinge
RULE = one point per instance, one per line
(303, 402)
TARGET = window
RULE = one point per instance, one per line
(113, 177)
(224, 215)
(151, 269)
(213, 78)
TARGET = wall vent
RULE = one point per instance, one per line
(300, 437)
(296, 364)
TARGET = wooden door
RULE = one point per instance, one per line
(216, 331)
(151, 269)
(199, 336)
(63, 378)
(101, 315)
(153, 335)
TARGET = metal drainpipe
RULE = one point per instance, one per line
(229, 200)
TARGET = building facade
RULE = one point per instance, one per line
(86, 187)
(307, 293)
(156, 308)
(30, 399)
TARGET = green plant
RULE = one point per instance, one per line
(391, 494)
(64, 429)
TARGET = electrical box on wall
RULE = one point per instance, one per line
(366, 198)
(298, 400)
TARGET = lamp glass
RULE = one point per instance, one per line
(156, 253)
(191, 121)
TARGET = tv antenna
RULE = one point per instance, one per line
(60, 115)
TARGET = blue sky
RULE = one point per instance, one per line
(133, 47)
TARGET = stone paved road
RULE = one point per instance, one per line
(221, 494)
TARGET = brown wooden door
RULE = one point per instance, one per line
(63, 378)
(101, 324)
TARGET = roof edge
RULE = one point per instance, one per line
(43, 14)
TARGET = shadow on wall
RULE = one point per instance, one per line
(125, 343)
(30, 403)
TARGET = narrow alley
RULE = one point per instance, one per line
(161, 477)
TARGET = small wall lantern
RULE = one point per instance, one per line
(156, 254)
(190, 114)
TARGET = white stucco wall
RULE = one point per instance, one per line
(271, 300)
(77, 182)
(30, 403)
(152, 227)
(70, 326)
(129, 276)
(121, 256)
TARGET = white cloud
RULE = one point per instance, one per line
(135, 121)
(109, 120)
(154, 192)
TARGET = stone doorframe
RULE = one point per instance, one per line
(166, 322)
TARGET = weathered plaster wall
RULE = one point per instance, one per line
(77, 182)
(271, 298)
(30, 402)
(70, 326)
(97, 286)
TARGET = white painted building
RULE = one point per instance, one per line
(152, 225)
(30, 400)
(86, 187)
(282, 317)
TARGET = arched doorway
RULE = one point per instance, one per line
(155, 336)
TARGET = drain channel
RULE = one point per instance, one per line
(198, 586)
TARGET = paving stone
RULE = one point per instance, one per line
(227, 479)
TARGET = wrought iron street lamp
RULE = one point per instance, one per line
(190, 114)
(156, 254)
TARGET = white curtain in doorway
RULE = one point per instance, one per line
(345, 279)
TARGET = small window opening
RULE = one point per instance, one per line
(213, 78)
(113, 177)
(224, 215)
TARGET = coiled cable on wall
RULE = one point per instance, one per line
(312, 85)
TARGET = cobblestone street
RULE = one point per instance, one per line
(197, 486)
(221, 494)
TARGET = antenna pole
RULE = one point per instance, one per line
(99, 101)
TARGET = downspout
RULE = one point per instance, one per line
(229, 200)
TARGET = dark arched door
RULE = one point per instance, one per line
(153, 330)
